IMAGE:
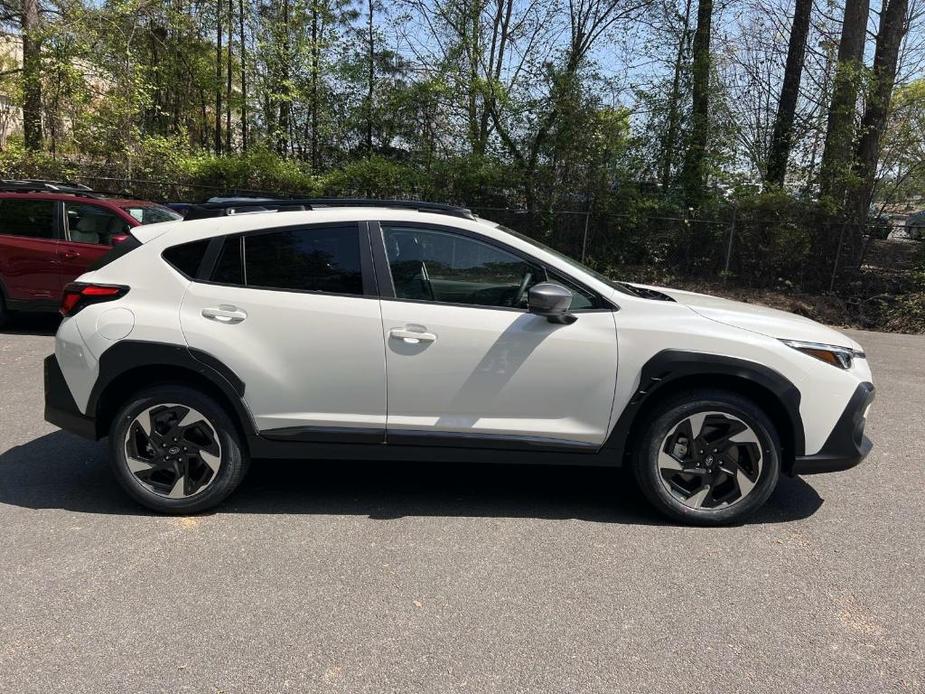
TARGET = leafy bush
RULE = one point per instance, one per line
(17, 162)
(907, 312)
(256, 170)
(375, 177)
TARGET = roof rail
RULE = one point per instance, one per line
(237, 205)
(32, 185)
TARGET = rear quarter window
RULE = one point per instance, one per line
(186, 257)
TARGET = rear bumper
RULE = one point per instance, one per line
(846, 446)
(60, 408)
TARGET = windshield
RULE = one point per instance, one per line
(619, 286)
(152, 214)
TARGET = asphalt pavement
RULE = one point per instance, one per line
(350, 577)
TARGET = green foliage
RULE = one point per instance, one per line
(774, 238)
(907, 312)
(903, 157)
(474, 180)
(374, 177)
(18, 162)
(256, 170)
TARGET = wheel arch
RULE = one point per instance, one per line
(130, 366)
(673, 371)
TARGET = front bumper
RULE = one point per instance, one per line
(846, 446)
(60, 408)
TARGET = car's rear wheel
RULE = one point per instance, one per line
(4, 312)
(708, 458)
(176, 450)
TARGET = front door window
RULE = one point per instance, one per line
(432, 265)
(93, 224)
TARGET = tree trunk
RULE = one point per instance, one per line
(473, 56)
(893, 26)
(285, 104)
(669, 144)
(371, 82)
(499, 42)
(31, 76)
(694, 172)
(316, 75)
(218, 77)
(839, 135)
(228, 75)
(781, 140)
(243, 50)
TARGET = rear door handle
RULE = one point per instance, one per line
(412, 337)
(225, 314)
(70, 255)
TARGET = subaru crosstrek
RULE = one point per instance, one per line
(407, 330)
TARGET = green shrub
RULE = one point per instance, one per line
(375, 177)
(17, 162)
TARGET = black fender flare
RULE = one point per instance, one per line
(129, 355)
(670, 366)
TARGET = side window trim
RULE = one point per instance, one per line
(367, 270)
(60, 227)
(387, 288)
(210, 258)
(381, 261)
(242, 251)
(367, 266)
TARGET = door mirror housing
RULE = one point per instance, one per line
(552, 301)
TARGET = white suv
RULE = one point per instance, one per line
(419, 331)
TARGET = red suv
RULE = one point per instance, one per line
(50, 233)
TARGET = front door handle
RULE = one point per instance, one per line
(225, 314)
(70, 255)
(412, 337)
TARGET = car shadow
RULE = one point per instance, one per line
(61, 471)
(31, 324)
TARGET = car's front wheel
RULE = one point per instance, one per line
(708, 458)
(176, 450)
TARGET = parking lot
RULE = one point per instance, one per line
(354, 577)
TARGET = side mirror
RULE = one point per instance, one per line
(551, 300)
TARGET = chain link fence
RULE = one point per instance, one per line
(748, 252)
(736, 248)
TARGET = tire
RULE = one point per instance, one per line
(725, 484)
(4, 312)
(176, 450)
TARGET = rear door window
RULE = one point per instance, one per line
(31, 218)
(313, 259)
(229, 269)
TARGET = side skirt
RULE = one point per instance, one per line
(262, 447)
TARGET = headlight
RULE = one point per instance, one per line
(841, 357)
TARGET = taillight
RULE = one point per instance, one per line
(78, 295)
